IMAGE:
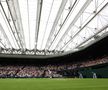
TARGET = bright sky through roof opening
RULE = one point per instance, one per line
(63, 25)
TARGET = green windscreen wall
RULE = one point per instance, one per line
(100, 70)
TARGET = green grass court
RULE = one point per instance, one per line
(53, 84)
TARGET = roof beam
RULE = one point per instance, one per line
(38, 17)
(84, 26)
(75, 19)
(19, 21)
(2, 44)
(9, 24)
(47, 23)
(11, 14)
(60, 11)
(67, 17)
(4, 34)
(105, 27)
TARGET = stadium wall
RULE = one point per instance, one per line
(100, 70)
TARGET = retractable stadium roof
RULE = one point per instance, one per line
(49, 28)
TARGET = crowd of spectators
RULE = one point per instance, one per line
(97, 61)
(29, 71)
(45, 70)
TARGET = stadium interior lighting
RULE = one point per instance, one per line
(51, 27)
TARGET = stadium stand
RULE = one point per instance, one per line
(60, 38)
(52, 70)
(53, 44)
